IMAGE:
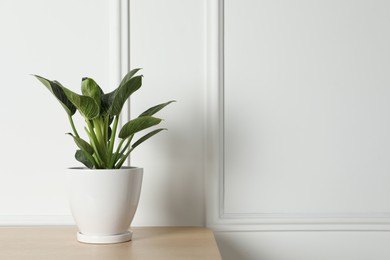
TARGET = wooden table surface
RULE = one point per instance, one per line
(57, 243)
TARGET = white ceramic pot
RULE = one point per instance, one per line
(103, 203)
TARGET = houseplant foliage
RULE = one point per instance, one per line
(101, 112)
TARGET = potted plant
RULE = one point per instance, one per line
(104, 194)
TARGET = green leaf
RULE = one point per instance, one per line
(91, 89)
(84, 158)
(128, 76)
(82, 144)
(146, 137)
(108, 99)
(123, 93)
(86, 105)
(57, 91)
(153, 110)
(138, 124)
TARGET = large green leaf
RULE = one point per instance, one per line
(153, 110)
(128, 76)
(122, 93)
(108, 99)
(138, 124)
(146, 137)
(85, 104)
(91, 89)
(57, 91)
(85, 158)
(82, 144)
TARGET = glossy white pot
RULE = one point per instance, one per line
(103, 203)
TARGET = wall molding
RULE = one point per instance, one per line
(119, 58)
(217, 217)
(303, 227)
(119, 47)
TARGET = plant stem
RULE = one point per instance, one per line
(119, 154)
(119, 164)
(124, 157)
(116, 154)
(112, 139)
(73, 127)
(127, 144)
(95, 162)
(95, 143)
(120, 145)
(95, 154)
(105, 120)
(100, 133)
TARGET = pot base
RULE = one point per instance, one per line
(119, 238)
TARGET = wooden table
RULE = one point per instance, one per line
(57, 243)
